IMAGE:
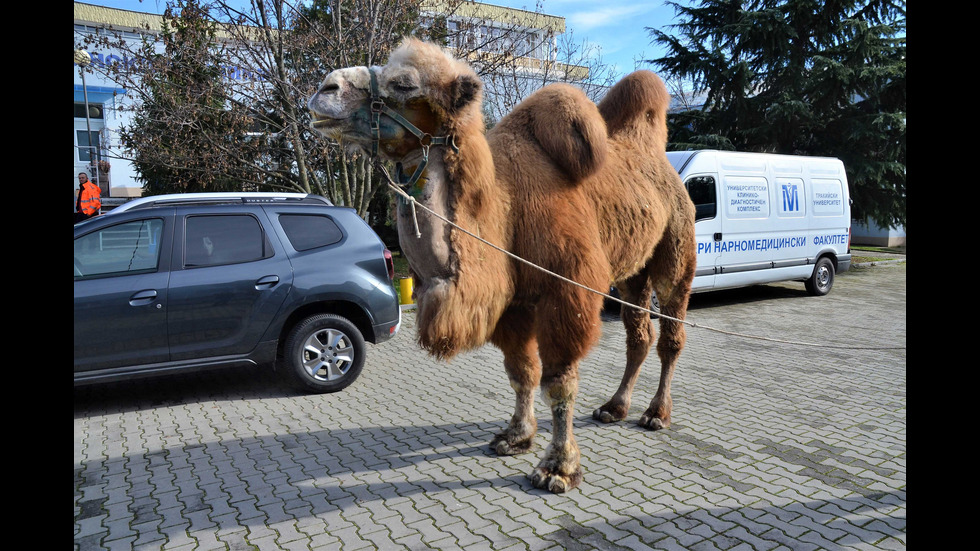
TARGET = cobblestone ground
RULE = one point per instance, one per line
(772, 446)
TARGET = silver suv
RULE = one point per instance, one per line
(186, 282)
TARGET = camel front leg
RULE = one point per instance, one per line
(560, 469)
(568, 326)
(514, 336)
(524, 374)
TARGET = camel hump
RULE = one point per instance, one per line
(637, 107)
(568, 126)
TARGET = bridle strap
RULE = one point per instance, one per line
(377, 107)
(426, 140)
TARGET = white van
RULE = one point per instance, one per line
(763, 218)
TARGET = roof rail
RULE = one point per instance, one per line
(218, 198)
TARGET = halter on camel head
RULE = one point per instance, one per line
(426, 140)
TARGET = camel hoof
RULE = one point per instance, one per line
(650, 422)
(554, 482)
(502, 445)
(606, 416)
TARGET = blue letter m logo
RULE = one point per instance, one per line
(791, 201)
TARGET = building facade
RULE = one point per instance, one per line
(489, 36)
(99, 102)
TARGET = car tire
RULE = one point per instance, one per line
(654, 302)
(323, 353)
(822, 279)
(613, 307)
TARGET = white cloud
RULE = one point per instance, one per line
(608, 15)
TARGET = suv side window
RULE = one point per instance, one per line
(224, 239)
(307, 232)
(129, 248)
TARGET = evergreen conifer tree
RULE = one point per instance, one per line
(807, 77)
(185, 124)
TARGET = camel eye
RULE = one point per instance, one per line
(403, 87)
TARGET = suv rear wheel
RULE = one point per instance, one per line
(324, 353)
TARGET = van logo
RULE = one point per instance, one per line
(791, 199)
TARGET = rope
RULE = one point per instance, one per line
(412, 202)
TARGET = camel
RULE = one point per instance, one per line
(582, 190)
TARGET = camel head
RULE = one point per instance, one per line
(421, 85)
(424, 98)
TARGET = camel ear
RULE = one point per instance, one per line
(463, 91)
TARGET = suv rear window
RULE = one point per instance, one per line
(224, 239)
(307, 231)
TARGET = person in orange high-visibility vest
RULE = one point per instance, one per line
(89, 198)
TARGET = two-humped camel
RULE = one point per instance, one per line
(583, 191)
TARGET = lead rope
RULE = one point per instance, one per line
(411, 201)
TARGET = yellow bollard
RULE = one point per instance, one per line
(405, 291)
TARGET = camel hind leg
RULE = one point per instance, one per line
(674, 262)
(639, 337)
(669, 346)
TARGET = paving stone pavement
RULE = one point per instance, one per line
(772, 446)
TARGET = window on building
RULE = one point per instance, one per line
(88, 142)
(88, 145)
(95, 110)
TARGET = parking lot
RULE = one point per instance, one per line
(773, 446)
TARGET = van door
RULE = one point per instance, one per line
(703, 189)
(746, 228)
(830, 220)
(789, 244)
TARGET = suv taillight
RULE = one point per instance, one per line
(390, 263)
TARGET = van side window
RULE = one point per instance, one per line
(702, 192)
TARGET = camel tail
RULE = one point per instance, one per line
(636, 108)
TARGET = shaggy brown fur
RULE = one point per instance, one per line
(580, 190)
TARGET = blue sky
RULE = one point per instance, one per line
(618, 27)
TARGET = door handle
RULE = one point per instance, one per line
(266, 282)
(142, 298)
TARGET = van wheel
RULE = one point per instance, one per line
(323, 353)
(822, 279)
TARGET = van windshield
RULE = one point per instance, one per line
(679, 158)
